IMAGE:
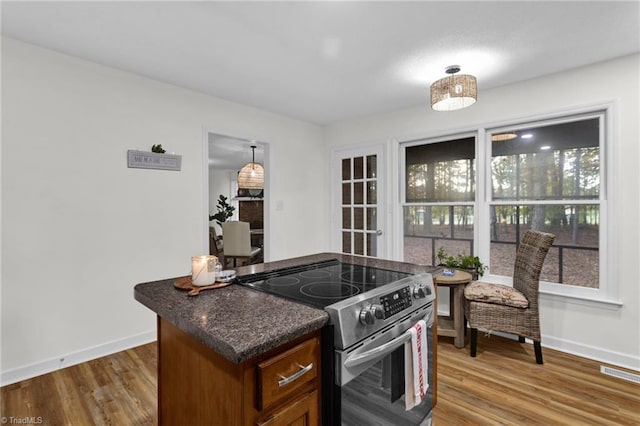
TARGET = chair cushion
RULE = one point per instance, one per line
(495, 293)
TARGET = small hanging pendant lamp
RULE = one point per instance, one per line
(454, 92)
(251, 176)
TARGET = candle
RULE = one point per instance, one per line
(203, 270)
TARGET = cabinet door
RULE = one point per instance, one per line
(300, 412)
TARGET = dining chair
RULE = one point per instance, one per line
(514, 310)
(216, 246)
(237, 244)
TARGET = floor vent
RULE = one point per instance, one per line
(620, 374)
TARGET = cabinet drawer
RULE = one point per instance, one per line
(303, 411)
(285, 373)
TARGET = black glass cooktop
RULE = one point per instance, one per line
(321, 284)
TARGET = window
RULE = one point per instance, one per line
(440, 193)
(479, 194)
(547, 177)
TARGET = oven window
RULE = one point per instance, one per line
(376, 396)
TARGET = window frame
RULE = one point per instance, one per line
(607, 291)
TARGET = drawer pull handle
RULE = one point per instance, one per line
(303, 370)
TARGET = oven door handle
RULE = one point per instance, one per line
(380, 351)
(388, 347)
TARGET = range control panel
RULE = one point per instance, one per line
(395, 302)
(364, 314)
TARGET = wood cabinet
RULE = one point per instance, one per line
(198, 386)
(282, 375)
(302, 411)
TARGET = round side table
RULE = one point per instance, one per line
(453, 325)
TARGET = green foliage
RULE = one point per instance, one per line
(158, 149)
(225, 210)
(461, 261)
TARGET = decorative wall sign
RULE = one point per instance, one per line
(152, 160)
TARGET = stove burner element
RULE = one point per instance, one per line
(315, 273)
(359, 276)
(325, 282)
(282, 281)
(329, 290)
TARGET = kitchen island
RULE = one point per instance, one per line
(221, 352)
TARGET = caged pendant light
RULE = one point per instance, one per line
(251, 176)
(454, 91)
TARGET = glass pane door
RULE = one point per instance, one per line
(360, 224)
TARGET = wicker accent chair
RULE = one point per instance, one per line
(511, 309)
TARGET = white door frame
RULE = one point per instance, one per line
(205, 188)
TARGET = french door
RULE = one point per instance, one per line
(359, 216)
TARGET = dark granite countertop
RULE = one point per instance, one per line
(240, 323)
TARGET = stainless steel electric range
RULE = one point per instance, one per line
(370, 310)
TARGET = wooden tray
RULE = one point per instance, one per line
(185, 283)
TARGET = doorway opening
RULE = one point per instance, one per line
(226, 155)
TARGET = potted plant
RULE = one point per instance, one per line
(225, 210)
(471, 264)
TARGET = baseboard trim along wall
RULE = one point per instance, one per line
(599, 354)
(584, 351)
(67, 360)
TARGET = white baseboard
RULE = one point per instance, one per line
(590, 352)
(66, 360)
(598, 354)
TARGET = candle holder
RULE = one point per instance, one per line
(203, 270)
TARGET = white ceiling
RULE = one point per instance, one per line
(227, 153)
(329, 61)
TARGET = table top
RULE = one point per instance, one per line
(460, 277)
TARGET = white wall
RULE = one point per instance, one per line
(80, 229)
(219, 184)
(601, 332)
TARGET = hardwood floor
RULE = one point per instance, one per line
(118, 389)
(502, 386)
